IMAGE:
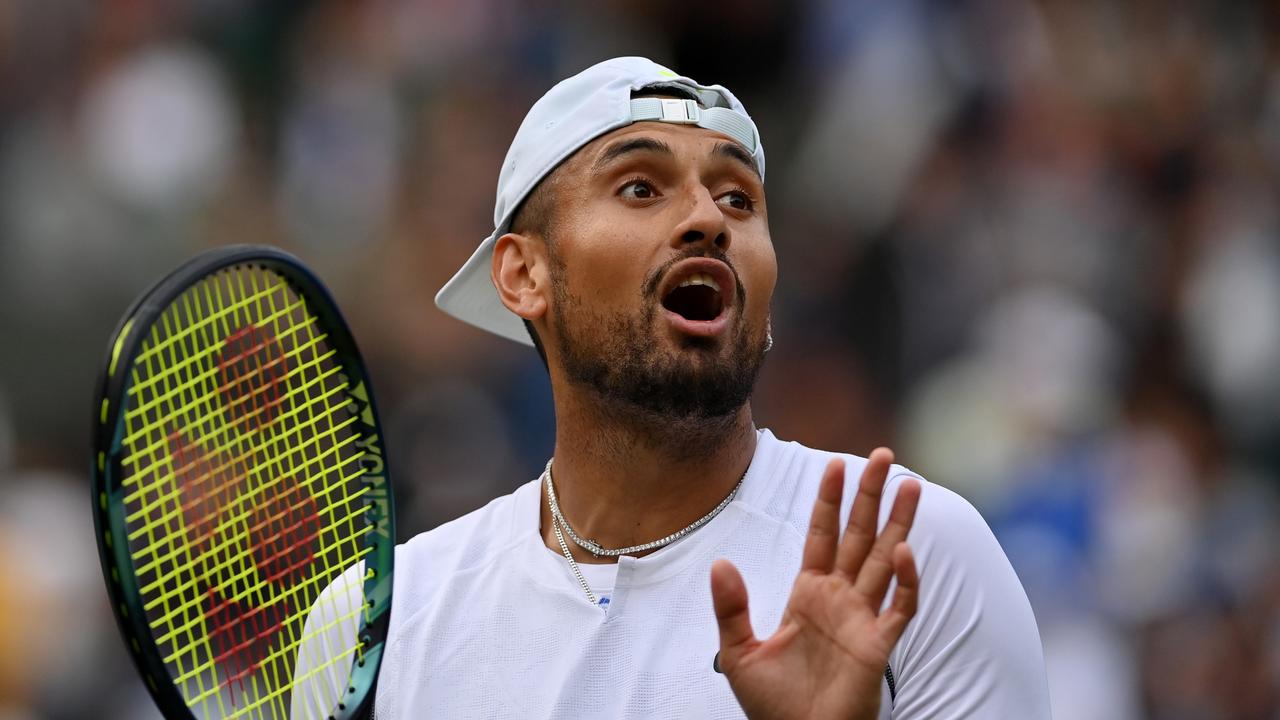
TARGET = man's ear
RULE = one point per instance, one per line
(520, 273)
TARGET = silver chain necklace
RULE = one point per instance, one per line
(558, 522)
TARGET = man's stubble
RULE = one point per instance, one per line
(686, 399)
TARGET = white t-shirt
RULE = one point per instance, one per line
(488, 622)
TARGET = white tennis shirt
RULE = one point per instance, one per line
(488, 622)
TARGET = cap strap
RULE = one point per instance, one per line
(688, 112)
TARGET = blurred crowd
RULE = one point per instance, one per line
(1033, 245)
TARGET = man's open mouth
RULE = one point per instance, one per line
(697, 297)
(698, 294)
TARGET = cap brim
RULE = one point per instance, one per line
(471, 297)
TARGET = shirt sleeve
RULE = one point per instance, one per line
(326, 649)
(973, 649)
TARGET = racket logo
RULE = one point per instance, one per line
(374, 475)
(231, 499)
(284, 533)
(252, 367)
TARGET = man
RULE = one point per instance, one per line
(631, 245)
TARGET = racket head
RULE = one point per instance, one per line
(238, 472)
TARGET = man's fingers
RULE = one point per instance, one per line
(824, 524)
(873, 578)
(905, 596)
(860, 534)
(729, 596)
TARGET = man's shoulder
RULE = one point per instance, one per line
(797, 471)
(468, 541)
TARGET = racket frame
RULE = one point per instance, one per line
(108, 495)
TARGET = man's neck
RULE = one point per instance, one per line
(622, 480)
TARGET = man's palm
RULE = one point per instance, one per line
(828, 656)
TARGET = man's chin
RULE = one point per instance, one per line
(661, 373)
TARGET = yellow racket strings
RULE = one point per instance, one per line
(241, 465)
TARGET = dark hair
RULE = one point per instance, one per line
(536, 213)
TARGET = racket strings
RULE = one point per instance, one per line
(244, 500)
(191, 389)
(219, 464)
(224, 571)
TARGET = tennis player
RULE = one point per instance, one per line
(674, 560)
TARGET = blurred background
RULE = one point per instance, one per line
(1032, 245)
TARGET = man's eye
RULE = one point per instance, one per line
(737, 200)
(637, 190)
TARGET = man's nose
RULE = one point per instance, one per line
(704, 222)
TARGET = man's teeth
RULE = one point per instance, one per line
(701, 279)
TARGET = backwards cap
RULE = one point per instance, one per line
(572, 114)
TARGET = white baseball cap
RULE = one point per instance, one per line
(572, 114)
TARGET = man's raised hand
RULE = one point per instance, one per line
(828, 656)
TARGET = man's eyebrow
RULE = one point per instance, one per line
(734, 151)
(730, 150)
(627, 147)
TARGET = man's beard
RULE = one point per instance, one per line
(619, 358)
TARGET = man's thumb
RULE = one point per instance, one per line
(729, 596)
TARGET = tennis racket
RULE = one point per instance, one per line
(241, 497)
